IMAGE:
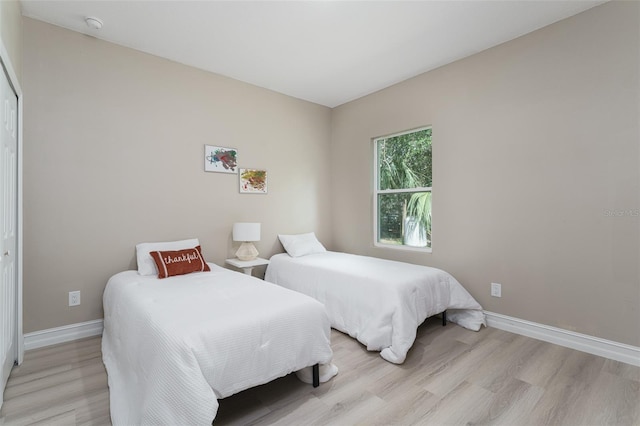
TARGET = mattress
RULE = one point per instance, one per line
(379, 302)
(172, 347)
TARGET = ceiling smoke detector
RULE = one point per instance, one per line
(93, 22)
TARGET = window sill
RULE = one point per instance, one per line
(403, 248)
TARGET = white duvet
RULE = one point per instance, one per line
(379, 302)
(173, 346)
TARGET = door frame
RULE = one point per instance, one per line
(5, 61)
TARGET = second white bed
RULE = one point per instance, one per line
(379, 302)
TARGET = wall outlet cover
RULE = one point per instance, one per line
(496, 290)
(74, 298)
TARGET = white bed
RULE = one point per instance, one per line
(379, 302)
(173, 347)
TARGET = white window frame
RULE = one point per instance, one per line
(377, 191)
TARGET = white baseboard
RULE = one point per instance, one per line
(66, 333)
(570, 339)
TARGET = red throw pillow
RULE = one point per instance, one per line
(179, 262)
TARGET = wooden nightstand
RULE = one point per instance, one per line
(247, 265)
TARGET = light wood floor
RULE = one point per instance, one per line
(451, 376)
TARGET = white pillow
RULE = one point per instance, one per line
(301, 244)
(146, 265)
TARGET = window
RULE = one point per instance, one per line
(402, 206)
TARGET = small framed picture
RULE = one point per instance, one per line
(220, 159)
(253, 181)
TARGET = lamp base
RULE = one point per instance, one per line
(247, 251)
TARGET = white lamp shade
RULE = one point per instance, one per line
(246, 231)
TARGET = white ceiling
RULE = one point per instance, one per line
(327, 52)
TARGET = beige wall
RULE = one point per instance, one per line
(533, 140)
(113, 156)
(11, 33)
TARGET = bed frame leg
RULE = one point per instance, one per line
(316, 375)
(444, 318)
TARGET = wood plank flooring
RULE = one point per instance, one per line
(452, 376)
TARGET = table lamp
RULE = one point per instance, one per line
(246, 232)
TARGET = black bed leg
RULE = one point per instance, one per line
(316, 375)
(444, 318)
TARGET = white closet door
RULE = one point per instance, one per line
(8, 237)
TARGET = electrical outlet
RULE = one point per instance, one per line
(74, 298)
(496, 290)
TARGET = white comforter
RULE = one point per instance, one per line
(379, 302)
(172, 347)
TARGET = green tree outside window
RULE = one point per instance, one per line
(403, 188)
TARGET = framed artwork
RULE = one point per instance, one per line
(253, 181)
(220, 159)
